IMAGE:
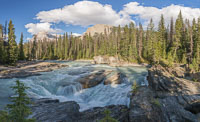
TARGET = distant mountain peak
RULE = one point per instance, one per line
(43, 35)
(98, 28)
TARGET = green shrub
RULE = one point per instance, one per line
(195, 80)
(107, 117)
(134, 87)
(156, 102)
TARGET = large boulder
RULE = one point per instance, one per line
(54, 111)
(114, 61)
(166, 99)
(49, 110)
(144, 107)
(116, 78)
(101, 60)
(93, 79)
(175, 96)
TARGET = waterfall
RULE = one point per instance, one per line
(61, 84)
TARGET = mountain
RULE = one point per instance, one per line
(43, 36)
(98, 28)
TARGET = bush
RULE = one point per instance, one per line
(195, 80)
(134, 87)
(156, 102)
(165, 63)
(19, 110)
(107, 117)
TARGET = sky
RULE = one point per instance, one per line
(59, 16)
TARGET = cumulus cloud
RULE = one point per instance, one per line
(146, 13)
(84, 13)
(38, 27)
(76, 34)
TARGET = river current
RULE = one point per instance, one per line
(60, 84)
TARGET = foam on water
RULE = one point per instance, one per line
(60, 84)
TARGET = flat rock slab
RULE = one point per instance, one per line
(23, 70)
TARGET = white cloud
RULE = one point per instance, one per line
(76, 34)
(28, 39)
(40, 27)
(146, 13)
(84, 13)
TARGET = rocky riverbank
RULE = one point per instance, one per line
(114, 61)
(29, 68)
(167, 99)
(170, 97)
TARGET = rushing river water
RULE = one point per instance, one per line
(60, 84)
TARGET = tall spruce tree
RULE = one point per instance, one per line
(21, 48)
(161, 37)
(1, 44)
(13, 54)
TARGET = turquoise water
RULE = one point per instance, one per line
(60, 84)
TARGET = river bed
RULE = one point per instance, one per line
(60, 84)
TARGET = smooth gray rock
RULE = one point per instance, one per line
(48, 110)
(93, 79)
(116, 78)
(54, 111)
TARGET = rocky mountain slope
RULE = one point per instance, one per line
(98, 28)
(41, 36)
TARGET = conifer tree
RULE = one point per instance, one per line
(161, 37)
(66, 46)
(13, 53)
(150, 40)
(1, 44)
(21, 48)
(19, 110)
(33, 48)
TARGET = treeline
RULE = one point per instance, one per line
(10, 52)
(178, 42)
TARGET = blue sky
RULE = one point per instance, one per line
(24, 12)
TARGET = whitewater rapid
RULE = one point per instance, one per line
(60, 84)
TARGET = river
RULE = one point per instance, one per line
(60, 84)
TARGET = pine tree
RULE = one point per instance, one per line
(19, 110)
(140, 42)
(161, 37)
(150, 41)
(176, 43)
(21, 48)
(1, 44)
(197, 43)
(66, 46)
(33, 48)
(13, 53)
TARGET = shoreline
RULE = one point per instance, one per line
(28, 68)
